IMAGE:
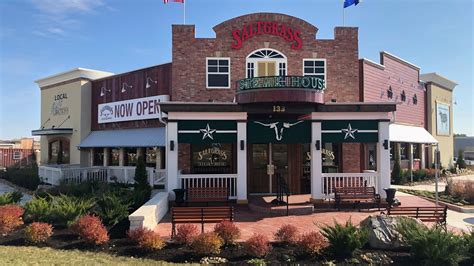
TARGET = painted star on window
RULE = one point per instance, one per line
(207, 132)
(349, 132)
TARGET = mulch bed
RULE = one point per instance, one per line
(64, 239)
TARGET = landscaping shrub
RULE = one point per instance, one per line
(91, 229)
(287, 234)
(460, 160)
(112, 209)
(419, 174)
(24, 177)
(142, 189)
(10, 218)
(396, 175)
(185, 233)
(469, 243)
(312, 243)
(38, 232)
(38, 209)
(344, 239)
(463, 190)
(257, 246)
(67, 209)
(207, 244)
(146, 239)
(10, 197)
(227, 231)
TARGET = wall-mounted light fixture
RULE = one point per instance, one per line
(171, 145)
(318, 145)
(103, 90)
(242, 145)
(385, 144)
(148, 79)
(125, 86)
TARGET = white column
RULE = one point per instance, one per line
(383, 159)
(158, 158)
(122, 157)
(91, 157)
(242, 163)
(172, 156)
(106, 156)
(422, 156)
(316, 162)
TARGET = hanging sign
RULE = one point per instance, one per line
(287, 82)
(279, 131)
(268, 28)
(334, 131)
(129, 110)
(207, 131)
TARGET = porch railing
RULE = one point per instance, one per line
(211, 180)
(331, 180)
(123, 174)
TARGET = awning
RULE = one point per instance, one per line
(51, 131)
(410, 134)
(137, 137)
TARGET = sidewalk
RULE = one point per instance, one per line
(4, 188)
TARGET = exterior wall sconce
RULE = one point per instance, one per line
(318, 145)
(385, 144)
(148, 79)
(103, 90)
(242, 145)
(171, 145)
(125, 86)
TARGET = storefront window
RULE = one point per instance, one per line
(416, 151)
(114, 157)
(404, 151)
(213, 158)
(372, 156)
(392, 150)
(98, 157)
(130, 157)
(58, 151)
(306, 171)
(331, 157)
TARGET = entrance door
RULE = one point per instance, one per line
(266, 69)
(268, 161)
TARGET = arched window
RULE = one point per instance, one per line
(266, 62)
(58, 151)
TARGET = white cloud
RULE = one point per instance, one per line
(61, 7)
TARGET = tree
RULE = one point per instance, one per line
(142, 189)
(460, 161)
(396, 175)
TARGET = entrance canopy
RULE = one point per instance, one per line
(137, 137)
(410, 134)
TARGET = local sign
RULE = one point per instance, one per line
(128, 110)
(292, 82)
(268, 28)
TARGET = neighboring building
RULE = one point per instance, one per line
(265, 102)
(439, 114)
(466, 144)
(17, 153)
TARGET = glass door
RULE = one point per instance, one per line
(258, 179)
(279, 161)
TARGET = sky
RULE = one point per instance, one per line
(39, 38)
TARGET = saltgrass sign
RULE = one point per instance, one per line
(288, 82)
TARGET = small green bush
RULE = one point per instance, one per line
(396, 174)
(344, 240)
(10, 197)
(469, 243)
(38, 209)
(142, 189)
(24, 177)
(460, 161)
(112, 209)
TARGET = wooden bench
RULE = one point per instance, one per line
(356, 195)
(202, 215)
(207, 194)
(425, 214)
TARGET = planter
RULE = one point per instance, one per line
(179, 196)
(390, 195)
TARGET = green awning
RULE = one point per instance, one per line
(279, 131)
(350, 131)
(207, 131)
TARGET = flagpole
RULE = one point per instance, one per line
(343, 15)
(184, 12)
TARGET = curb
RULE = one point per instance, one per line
(450, 206)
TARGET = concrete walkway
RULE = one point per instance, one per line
(4, 188)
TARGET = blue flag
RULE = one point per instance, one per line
(348, 3)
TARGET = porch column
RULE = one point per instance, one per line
(383, 159)
(122, 157)
(91, 157)
(141, 152)
(242, 163)
(422, 156)
(172, 156)
(316, 162)
(106, 157)
(158, 158)
(410, 160)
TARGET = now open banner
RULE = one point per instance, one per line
(129, 110)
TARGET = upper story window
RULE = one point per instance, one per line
(390, 92)
(16, 155)
(218, 72)
(315, 68)
(403, 96)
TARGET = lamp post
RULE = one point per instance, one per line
(437, 157)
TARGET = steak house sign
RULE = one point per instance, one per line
(128, 110)
(268, 28)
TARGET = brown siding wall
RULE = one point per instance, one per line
(137, 79)
(6, 157)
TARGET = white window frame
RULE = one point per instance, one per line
(325, 68)
(17, 155)
(207, 72)
(256, 60)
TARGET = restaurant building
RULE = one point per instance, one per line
(265, 102)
